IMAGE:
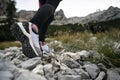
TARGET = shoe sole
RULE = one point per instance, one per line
(21, 35)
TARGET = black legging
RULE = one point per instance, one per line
(44, 16)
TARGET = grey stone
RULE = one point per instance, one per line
(83, 73)
(69, 72)
(92, 69)
(95, 55)
(102, 67)
(101, 76)
(1, 55)
(68, 55)
(48, 68)
(72, 64)
(29, 76)
(113, 74)
(31, 63)
(38, 70)
(69, 77)
(63, 67)
(6, 75)
(8, 54)
(49, 72)
(6, 65)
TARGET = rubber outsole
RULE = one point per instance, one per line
(18, 34)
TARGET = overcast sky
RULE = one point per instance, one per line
(72, 8)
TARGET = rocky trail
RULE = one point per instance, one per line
(63, 66)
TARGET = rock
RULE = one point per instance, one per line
(48, 68)
(31, 63)
(29, 76)
(38, 70)
(49, 72)
(6, 75)
(6, 65)
(8, 55)
(1, 55)
(83, 54)
(84, 74)
(72, 64)
(92, 69)
(63, 67)
(113, 74)
(101, 76)
(68, 55)
(69, 77)
(102, 67)
(16, 61)
(69, 72)
(95, 55)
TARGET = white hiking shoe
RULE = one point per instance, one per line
(30, 40)
(44, 47)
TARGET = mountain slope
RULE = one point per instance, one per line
(110, 14)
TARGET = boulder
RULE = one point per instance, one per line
(92, 69)
(101, 76)
(6, 75)
(113, 74)
(31, 63)
(38, 70)
(29, 76)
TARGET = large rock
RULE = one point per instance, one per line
(113, 74)
(6, 65)
(29, 76)
(49, 72)
(68, 55)
(83, 73)
(38, 70)
(69, 72)
(92, 69)
(31, 63)
(101, 76)
(6, 75)
(72, 64)
(84, 54)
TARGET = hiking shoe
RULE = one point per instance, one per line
(47, 52)
(44, 47)
(30, 40)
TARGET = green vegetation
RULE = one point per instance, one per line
(5, 34)
(8, 44)
(106, 43)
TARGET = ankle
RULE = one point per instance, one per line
(35, 28)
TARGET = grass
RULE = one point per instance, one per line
(100, 42)
(8, 44)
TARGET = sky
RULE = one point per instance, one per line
(72, 8)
